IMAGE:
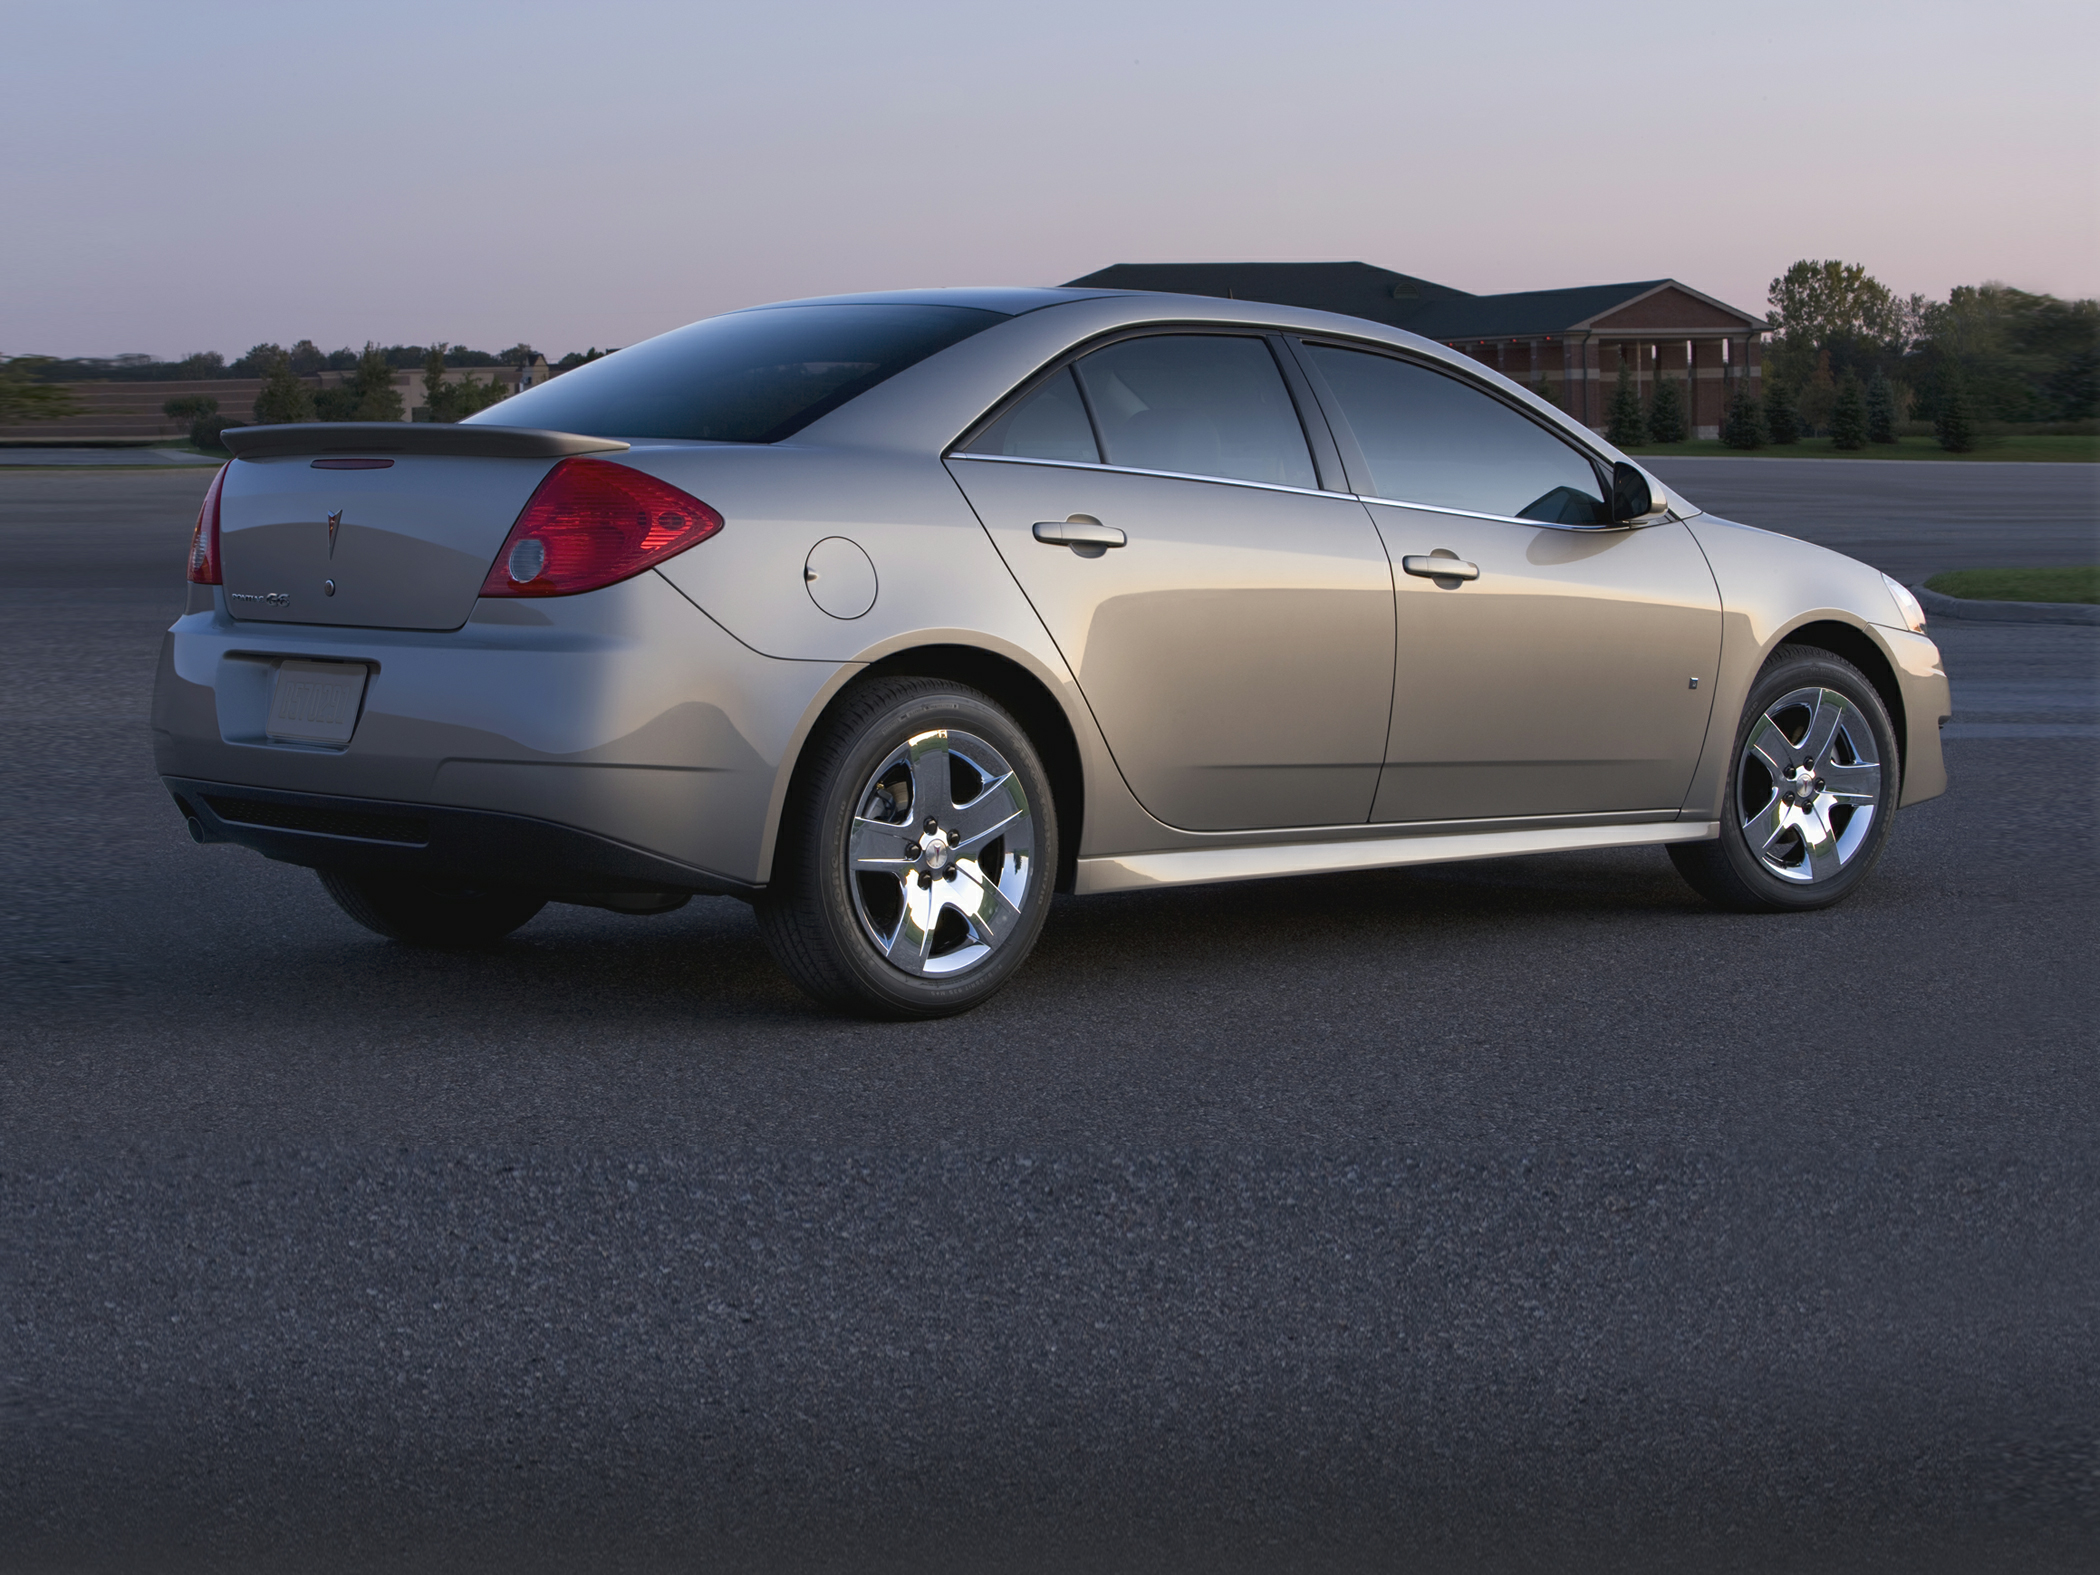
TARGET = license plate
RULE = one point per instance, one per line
(316, 702)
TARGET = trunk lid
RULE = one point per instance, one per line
(376, 526)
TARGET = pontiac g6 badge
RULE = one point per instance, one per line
(335, 523)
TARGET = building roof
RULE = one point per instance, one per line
(1436, 311)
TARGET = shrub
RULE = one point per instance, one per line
(1666, 412)
(209, 431)
(1848, 415)
(1626, 425)
(1744, 426)
(189, 407)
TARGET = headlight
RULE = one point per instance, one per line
(1907, 607)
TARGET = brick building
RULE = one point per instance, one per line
(1565, 344)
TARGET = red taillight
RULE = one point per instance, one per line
(592, 523)
(204, 540)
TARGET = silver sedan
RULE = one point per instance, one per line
(894, 614)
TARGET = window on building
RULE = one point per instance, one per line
(1429, 437)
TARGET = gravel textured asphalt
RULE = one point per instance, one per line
(1523, 1215)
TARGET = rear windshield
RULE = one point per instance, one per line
(749, 377)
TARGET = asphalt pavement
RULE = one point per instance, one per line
(1520, 1215)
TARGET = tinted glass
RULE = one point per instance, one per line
(1431, 438)
(1203, 404)
(1049, 424)
(750, 377)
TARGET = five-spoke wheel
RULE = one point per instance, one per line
(915, 859)
(1811, 782)
(941, 853)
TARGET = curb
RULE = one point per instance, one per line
(1938, 606)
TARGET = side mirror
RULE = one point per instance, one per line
(1631, 496)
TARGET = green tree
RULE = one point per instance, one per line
(1666, 412)
(1626, 424)
(283, 398)
(1848, 415)
(24, 398)
(187, 407)
(1817, 398)
(204, 364)
(455, 401)
(1881, 410)
(1951, 421)
(1782, 417)
(1818, 308)
(374, 382)
(434, 381)
(1744, 425)
(307, 358)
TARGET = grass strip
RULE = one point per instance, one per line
(2033, 446)
(2079, 584)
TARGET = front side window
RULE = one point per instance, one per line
(1429, 437)
(1197, 404)
(749, 377)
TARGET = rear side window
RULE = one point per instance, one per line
(1198, 404)
(1431, 438)
(749, 377)
(1050, 423)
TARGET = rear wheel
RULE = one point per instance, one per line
(915, 859)
(1812, 780)
(428, 911)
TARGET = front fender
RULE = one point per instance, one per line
(1773, 587)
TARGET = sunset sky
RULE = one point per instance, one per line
(201, 176)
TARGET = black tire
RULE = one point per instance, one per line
(426, 911)
(1732, 873)
(825, 925)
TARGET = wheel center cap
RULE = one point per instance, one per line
(1804, 781)
(934, 850)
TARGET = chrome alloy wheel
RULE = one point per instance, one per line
(1808, 785)
(940, 853)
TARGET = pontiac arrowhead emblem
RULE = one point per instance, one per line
(335, 523)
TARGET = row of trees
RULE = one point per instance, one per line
(1988, 353)
(306, 359)
(1859, 414)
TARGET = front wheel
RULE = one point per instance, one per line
(916, 856)
(1812, 780)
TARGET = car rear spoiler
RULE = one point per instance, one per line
(411, 437)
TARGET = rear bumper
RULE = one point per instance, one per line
(482, 846)
(622, 719)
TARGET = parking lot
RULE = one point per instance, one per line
(1520, 1215)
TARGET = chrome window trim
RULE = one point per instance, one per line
(1500, 519)
(1131, 470)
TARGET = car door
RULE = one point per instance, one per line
(1559, 668)
(1230, 624)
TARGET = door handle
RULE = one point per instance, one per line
(1435, 568)
(1079, 534)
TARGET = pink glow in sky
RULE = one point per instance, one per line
(200, 176)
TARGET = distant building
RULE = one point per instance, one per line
(1566, 345)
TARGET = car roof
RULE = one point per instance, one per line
(1007, 300)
